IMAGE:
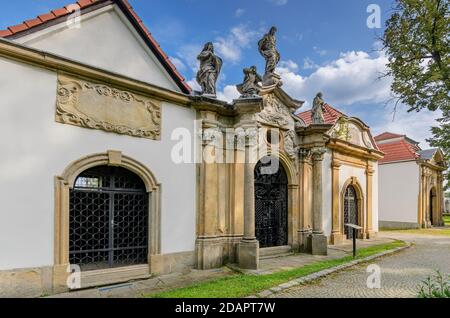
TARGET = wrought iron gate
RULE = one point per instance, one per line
(271, 209)
(108, 219)
(350, 210)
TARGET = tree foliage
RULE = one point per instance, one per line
(417, 45)
(416, 41)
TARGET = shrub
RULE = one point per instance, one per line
(435, 286)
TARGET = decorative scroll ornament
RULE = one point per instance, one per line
(96, 106)
(342, 130)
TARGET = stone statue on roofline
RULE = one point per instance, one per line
(250, 87)
(267, 48)
(318, 110)
(210, 67)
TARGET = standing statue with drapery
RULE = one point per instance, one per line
(210, 67)
(318, 110)
(267, 48)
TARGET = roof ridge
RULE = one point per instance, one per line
(42, 19)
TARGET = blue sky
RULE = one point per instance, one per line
(325, 46)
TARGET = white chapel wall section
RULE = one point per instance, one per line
(35, 149)
(398, 192)
(96, 44)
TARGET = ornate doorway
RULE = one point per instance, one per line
(350, 210)
(271, 203)
(432, 206)
(108, 219)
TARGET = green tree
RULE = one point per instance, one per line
(416, 41)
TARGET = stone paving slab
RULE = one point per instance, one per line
(401, 273)
(324, 273)
(179, 280)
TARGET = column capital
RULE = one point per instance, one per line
(317, 153)
(336, 164)
(304, 154)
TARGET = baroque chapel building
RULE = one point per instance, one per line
(91, 187)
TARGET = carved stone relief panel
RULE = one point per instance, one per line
(275, 113)
(99, 106)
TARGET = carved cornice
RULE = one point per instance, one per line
(354, 150)
(61, 65)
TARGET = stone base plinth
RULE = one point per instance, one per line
(319, 244)
(337, 238)
(209, 253)
(370, 235)
(303, 241)
(248, 254)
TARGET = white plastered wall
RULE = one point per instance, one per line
(399, 192)
(107, 40)
(35, 149)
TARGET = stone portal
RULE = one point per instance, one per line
(271, 203)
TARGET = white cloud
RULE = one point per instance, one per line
(309, 64)
(278, 2)
(194, 85)
(415, 125)
(229, 93)
(178, 63)
(188, 53)
(350, 79)
(287, 66)
(230, 47)
(320, 51)
(239, 12)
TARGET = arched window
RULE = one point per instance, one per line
(350, 209)
(109, 220)
(271, 203)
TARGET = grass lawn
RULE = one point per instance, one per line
(447, 220)
(242, 285)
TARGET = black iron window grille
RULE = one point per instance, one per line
(350, 210)
(108, 219)
(271, 204)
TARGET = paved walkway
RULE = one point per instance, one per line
(400, 274)
(177, 280)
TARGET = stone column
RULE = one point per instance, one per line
(369, 190)
(440, 198)
(319, 242)
(336, 235)
(304, 228)
(209, 246)
(423, 194)
(249, 246)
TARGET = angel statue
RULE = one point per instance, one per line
(318, 110)
(267, 48)
(250, 86)
(210, 66)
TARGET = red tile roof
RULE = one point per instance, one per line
(387, 136)
(330, 114)
(44, 19)
(400, 150)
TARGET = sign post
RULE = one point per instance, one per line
(354, 228)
